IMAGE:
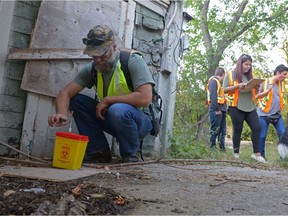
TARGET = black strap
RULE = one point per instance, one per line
(124, 58)
(140, 149)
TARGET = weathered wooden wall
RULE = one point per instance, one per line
(151, 27)
(17, 19)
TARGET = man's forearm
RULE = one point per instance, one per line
(136, 99)
(62, 104)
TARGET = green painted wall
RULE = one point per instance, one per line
(13, 99)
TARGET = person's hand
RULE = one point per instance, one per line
(241, 86)
(218, 112)
(101, 108)
(270, 88)
(57, 120)
(257, 87)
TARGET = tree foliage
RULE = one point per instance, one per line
(220, 25)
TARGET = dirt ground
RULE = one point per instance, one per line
(154, 189)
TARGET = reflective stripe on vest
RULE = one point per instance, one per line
(220, 92)
(266, 102)
(232, 97)
(117, 85)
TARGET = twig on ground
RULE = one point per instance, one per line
(185, 168)
(121, 164)
(160, 160)
(205, 161)
(233, 180)
(34, 163)
(23, 153)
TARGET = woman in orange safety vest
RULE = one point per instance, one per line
(241, 105)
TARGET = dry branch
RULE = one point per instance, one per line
(23, 153)
(166, 161)
(27, 162)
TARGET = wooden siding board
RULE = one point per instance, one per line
(25, 11)
(19, 40)
(48, 54)
(56, 29)
(153, 6)
(22, 25)
(153, 24)
(11, 120)
(14, 70)
(168, 63)
(12, 87)
(36, 3)
(12, 104)
(149, 13)
(10, 134)
(40, 148)
(49, 77)
(12, 107)
(6, 17)
(29, 123)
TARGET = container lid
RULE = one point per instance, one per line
(70, 135)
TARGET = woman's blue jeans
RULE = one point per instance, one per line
(279, 126)
(123, 121)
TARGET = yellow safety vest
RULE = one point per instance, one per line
(220, 92)
(266, 102)
(117, 85)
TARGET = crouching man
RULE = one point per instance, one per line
(117, 110)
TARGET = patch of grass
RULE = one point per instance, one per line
(201, 150)
(246, 150)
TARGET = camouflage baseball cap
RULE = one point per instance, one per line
(98, 40)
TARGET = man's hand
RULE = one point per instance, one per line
(218, 112)
(101, 108)
(57, 120)
(257, 87)
(241, 86)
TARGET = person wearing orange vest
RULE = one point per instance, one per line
(241, 105)
(117, 110)
(217, 109)
(271, 103)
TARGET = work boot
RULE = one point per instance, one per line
(130, 159)
(103, 156)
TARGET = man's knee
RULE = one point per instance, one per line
(118, 111)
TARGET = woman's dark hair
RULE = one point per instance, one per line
(238, 69)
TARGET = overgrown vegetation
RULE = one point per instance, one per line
(202, 151)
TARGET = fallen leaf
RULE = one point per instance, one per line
(77, 190)
(8, 193)
(119, 200)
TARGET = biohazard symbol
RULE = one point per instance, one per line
(65, 151)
